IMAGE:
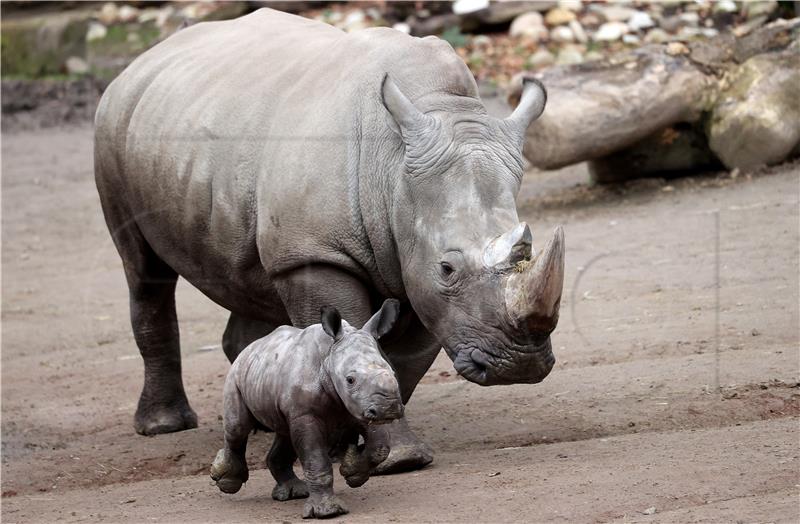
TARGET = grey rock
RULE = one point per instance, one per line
(610, 32)
(756, 9)
(657, 36)
(541, 58)
(109, 13)
(640, 20)
(630, 39)
(617, 13)
(127, 14)
(96, 31)
(462, 7)
(569, 56)
(530, 25)
(558, 16)
(571, 5)
(76, 66)
(690, 18)
(725, 6)
(562, 34)
(506, 10)
(578, 32)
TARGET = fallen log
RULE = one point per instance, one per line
(733, 89)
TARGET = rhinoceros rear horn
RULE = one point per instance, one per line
(531, 105)
(533, 293)
(509, 248)
(408, 118)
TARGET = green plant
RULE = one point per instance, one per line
(454, 37)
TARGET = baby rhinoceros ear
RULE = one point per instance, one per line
(383, 321)
(331, 321)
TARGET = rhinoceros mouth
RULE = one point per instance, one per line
(523, 365)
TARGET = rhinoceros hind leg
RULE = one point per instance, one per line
(163, 407)
(280, 460)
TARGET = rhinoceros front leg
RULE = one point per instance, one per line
(309, 441)
(411, 355)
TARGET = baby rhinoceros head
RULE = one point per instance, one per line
(358, 369)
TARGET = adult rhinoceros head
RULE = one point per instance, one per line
(467, 261)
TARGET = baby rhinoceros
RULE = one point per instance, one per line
(318, 389)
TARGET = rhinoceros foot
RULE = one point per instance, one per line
(406, 457)
(291, 489)
(229, 471)
(157, 419)
(408, 452)
(324, 507)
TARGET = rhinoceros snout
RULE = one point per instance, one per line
(524, 365)
(383, 412)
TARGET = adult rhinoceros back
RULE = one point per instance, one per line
(279, 164)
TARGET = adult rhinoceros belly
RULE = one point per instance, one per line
(240, 146)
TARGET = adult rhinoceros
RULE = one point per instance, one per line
(279, 165)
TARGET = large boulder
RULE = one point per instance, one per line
(756, 120)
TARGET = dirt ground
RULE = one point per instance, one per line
(630, 425)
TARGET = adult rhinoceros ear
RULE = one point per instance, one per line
(530, 107)
(407, 118)
(384, 320)
(331, 321)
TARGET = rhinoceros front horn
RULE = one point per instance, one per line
(533, 291)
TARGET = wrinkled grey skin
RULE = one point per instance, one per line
(279, 164)
(319, 389)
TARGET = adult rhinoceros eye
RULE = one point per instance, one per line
(451, 262)
(350, 380)
(447, 269)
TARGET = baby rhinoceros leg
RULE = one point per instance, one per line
(357, 465)
(229, 469)
(280, 460)
(310, 443)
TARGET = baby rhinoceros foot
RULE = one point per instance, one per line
(229, 472)
(324, 507)
(291, 489)
(357, 464)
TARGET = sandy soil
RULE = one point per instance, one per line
(630, 425)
